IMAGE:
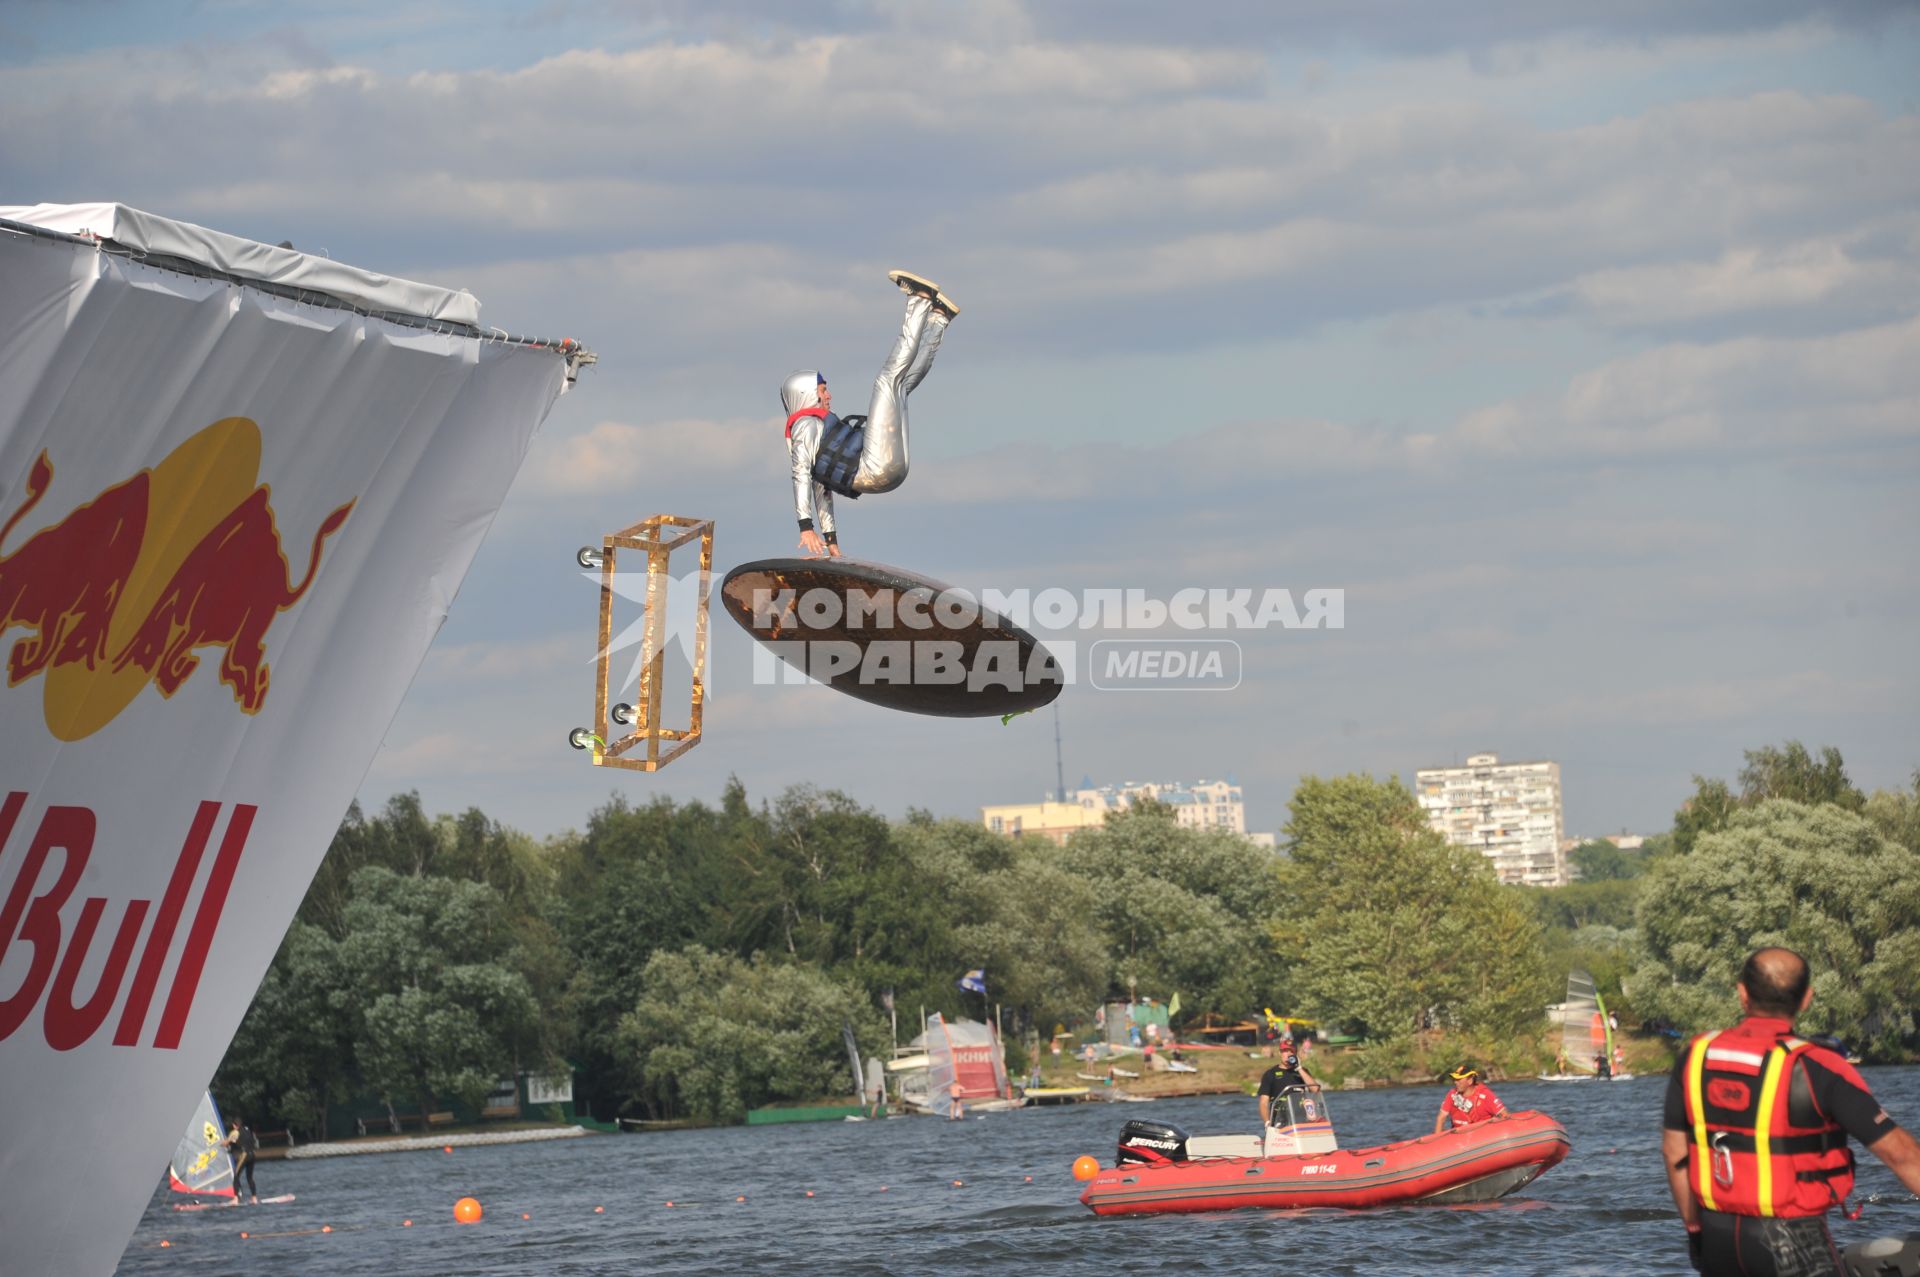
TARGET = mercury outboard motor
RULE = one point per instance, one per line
(1151, 1142)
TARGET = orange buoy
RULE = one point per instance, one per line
(740, 1199)
(524, 1215)
(164, 1243)
(243, 1236)
(959, 1184)
(326, 1228)
(447, 1149)
(1029, 1179)
(809, 1192)
(599, 1210)
(467, 1210)
(1086, 1166)
(406, 1223)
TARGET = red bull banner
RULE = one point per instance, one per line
(233, 514)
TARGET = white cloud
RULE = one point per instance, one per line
(615, 456)
(1743, 282)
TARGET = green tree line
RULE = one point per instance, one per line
(683, 959)
(1791, 853)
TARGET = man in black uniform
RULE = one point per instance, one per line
(1757, 1121)
(1288, 1075)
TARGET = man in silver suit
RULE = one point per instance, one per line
(855, 455)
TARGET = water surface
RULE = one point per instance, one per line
(884, 1202)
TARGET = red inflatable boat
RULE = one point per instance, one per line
(1472, 1164)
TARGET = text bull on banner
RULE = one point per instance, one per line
(230, 524)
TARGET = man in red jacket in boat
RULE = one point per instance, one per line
(1470, 1101)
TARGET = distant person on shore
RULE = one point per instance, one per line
(1756, 1133)
(1288, 1075)
(956, 1102)
(1470, 1101)
(242, 1144)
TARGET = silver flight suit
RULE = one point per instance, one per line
(883, 449)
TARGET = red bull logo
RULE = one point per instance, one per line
(131, 586)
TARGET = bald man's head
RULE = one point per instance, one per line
(1776, 982)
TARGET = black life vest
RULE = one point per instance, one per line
(1759, 1145)
(838, 460)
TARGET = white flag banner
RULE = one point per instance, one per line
(231, 522)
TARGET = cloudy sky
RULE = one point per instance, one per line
(1582, 352)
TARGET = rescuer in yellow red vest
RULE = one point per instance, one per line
(1756, 1133)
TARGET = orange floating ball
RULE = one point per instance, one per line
(599, 1210)
(669, 1205)
(164, 1243)
(739, 1199)
(524, 1215)
(1086, 1166)
(467, 1210)
(243, 1236)
(959, 1184)
(406, 1223)
(447, 1149)
(326, 1228)
(1029, 1179)
(809, 1192)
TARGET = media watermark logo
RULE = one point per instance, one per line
(951, 641)
(951, 637)
(1157, 665)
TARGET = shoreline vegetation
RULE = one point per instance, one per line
(1234, 1071)
(687, 964)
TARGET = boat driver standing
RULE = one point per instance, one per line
(857, 455)
(1470, 1101)
(1288, 1075)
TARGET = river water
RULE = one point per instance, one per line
(884, 1201)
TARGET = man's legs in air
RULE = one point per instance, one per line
(883, 453)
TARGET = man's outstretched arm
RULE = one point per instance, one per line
(801, 448)
(1901, 1152)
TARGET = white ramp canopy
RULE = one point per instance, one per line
(239, 488)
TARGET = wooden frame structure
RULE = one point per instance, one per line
(650, 535)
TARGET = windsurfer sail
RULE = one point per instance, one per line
(1586, 1035)
(201, 1165)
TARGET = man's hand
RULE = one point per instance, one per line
(810, 542)
(833, 549)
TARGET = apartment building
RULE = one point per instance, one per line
(1509, 812)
